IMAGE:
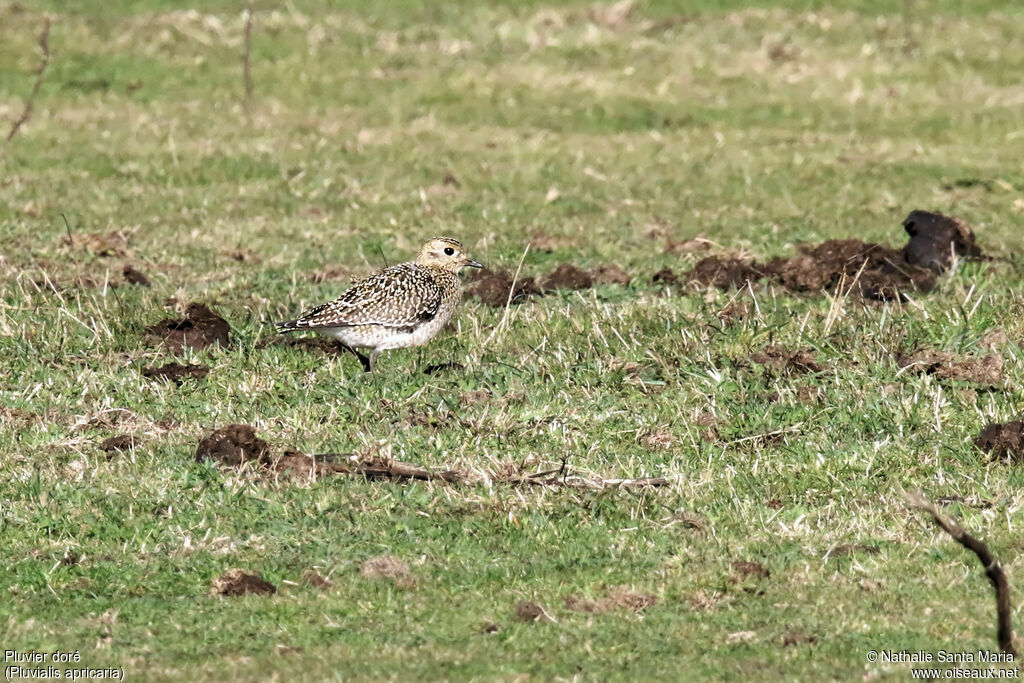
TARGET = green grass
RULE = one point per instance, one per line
(758, 128)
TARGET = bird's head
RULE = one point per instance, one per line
(446, 254)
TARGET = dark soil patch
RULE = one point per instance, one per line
(312, 577)
(724, 273)
(665, 276)
(745, 569)
(531, 612)
(619, 598)
(176, 372)
(234, 445)
(236, 582)
(121, 442)
(135, 277)
(871, 271)
(200, 328)
(792, 362)
(493, 288)
(567, 276)
(710, 423)
(609, 273)
(987, 370)
(1003, 441)
(936, 240)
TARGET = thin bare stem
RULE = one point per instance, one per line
(44, 46)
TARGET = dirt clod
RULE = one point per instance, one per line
(665, 276)
(176, 372)
(235, 582)
(567, 276)
(872, 271)
(388, 567)
(493, 287)
(200, 328)
(1003, 441)
(135, 277)
(986, 370)
(233, 445)
(745, 569)
(121, 442)
(937, 240)
(724, 273)
(793, 362)
(531, 612)
(609, 273)
(312, 577)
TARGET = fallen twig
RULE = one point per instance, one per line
(993, 570)
(44, 45)
(246, 58)
(384, 469)
(395, 469)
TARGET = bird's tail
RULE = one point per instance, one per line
(287, 326)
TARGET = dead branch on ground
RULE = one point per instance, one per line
(44, 45)
(394, 469)
(993, 570)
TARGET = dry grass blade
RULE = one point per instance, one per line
(993, 570)
(44, 46)
(508, 303)
(247, 57)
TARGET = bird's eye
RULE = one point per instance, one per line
(449, 251)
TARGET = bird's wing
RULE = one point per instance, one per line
(399, 296)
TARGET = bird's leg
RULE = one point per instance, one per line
(372, 361)
(367, 363)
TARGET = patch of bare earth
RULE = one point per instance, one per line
(498, 288)
(567, 276)
(618, 598)
(987, 370)
(531, 612)
(200, 328)
(233, 445)
(1003, 441)
(494, 287)
(790, 362)
(315, 579)
(133, 276)
(119, 443)
(748, 575)
(176, 372)
(237, 582)
(388, 567)
(871, 271)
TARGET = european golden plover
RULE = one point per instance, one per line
(397, 307)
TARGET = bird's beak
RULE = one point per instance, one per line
(473, 264)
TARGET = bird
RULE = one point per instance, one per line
(400, 306)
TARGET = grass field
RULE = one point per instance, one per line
(782, 548)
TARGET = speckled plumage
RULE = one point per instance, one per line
(397, 307)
